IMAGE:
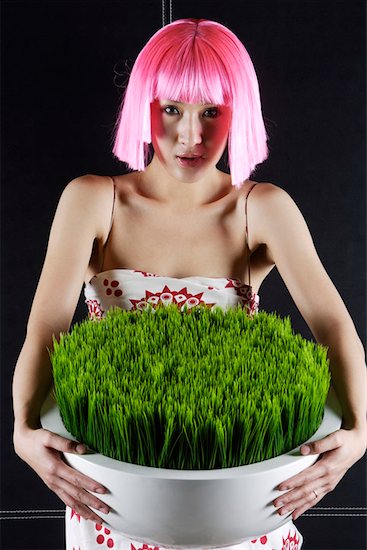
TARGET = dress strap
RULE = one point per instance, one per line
(111, 222)
(247, 246)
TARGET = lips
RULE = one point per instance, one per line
(189, 156)
(190, 161)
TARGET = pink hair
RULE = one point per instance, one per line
(194, 61)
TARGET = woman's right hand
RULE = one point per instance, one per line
(42, 451)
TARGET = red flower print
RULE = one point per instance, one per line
(234, 283)
(144, 547)
(290, 543)
(103, 537)
(166, 296)
(145, 273)
(73, 513)
(244, 292)
(95, 312)
(251, 305)
(263, 540)
(111, 287)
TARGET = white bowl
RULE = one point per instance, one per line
(192, 508)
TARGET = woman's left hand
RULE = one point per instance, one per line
(338, 452)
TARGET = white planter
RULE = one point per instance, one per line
(192, 508)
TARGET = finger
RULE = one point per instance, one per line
(328, 443)
(81, 496)
(310, 474)
(320, 469)
(63, 471)
(320, 491)
(301, 509)
(307, 495)
(80, 508)
(62, 444)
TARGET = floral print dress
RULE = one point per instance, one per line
(131, 290)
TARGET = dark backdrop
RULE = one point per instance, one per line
(59, 102)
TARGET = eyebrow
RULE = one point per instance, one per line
(179, 103)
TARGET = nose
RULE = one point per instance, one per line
(190, 130)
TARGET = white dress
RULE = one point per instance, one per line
(130, 289)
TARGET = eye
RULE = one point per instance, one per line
(169, 107)
(213, 110)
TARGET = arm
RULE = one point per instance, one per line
(73, 232)
(286, 234)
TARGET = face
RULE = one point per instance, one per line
(187, 129)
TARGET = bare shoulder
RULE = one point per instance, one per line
(89, 186)
(269, 204)
(267, 191)
(92, 196)
(274, 201)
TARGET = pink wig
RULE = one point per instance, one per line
(194, 61)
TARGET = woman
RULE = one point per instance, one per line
(180, 226)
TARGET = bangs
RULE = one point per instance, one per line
(192, 73)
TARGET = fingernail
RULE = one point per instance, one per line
(305, 449)
(81, 448)
(100, 490)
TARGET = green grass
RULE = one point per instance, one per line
(196, 390)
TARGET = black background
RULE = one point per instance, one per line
(59, 103)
